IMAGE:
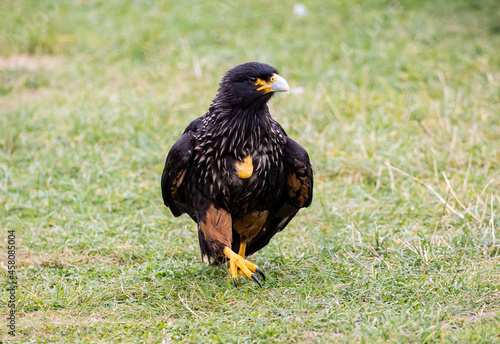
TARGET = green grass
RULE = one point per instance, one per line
(401, 117)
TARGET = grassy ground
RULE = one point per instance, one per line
(400, 112)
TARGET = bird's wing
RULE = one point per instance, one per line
(297, 193)
(177, 168)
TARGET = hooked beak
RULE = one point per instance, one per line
(275, 84)
(280, 84)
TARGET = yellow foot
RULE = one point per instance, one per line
(237, 262)
(243, 248)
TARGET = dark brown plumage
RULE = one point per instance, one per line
(235, 171)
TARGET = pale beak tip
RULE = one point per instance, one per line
(280, 85)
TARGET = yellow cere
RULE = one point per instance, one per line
(265, 85)
(244, 169)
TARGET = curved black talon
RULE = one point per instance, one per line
(235, 282)
(260, 272)
(254, 277)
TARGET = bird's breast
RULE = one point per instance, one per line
(253, 181)
(244, 169)
(244, 178)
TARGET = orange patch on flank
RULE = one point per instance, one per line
(298, 188)
(244, 169)
(217, 226)
(250, 225)
(177, 182)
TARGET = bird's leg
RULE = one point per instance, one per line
(237, 262)
(241, 252)
(243, 248)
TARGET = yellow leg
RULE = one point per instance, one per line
(237, 262)
(243, 247)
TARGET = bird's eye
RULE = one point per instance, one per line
(273, 78)
(252, 80)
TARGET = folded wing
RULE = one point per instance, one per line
(297, 193)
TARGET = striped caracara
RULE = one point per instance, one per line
(235, 171)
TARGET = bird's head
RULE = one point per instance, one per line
(250, 84)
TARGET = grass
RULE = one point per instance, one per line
(400, 112)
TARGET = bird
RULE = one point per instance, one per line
(237, 173)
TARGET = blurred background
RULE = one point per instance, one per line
(397, 103)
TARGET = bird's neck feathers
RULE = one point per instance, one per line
(242, 128)
(225, 114)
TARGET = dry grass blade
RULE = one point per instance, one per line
(447, 205)
(458, 201)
